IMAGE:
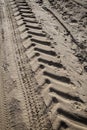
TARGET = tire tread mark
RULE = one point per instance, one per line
(35, 104)
(38, 52)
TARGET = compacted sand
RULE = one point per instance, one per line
(43, 65)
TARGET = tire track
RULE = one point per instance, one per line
(4, 123)
(43, 59)
(34, 103)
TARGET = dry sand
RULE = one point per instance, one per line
(43, 65)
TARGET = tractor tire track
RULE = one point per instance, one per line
(41, 77)
(43, 59)
(34, 104)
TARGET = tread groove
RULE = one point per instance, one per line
(66, 95)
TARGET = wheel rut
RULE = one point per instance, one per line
(43, 74)
(25, 108)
